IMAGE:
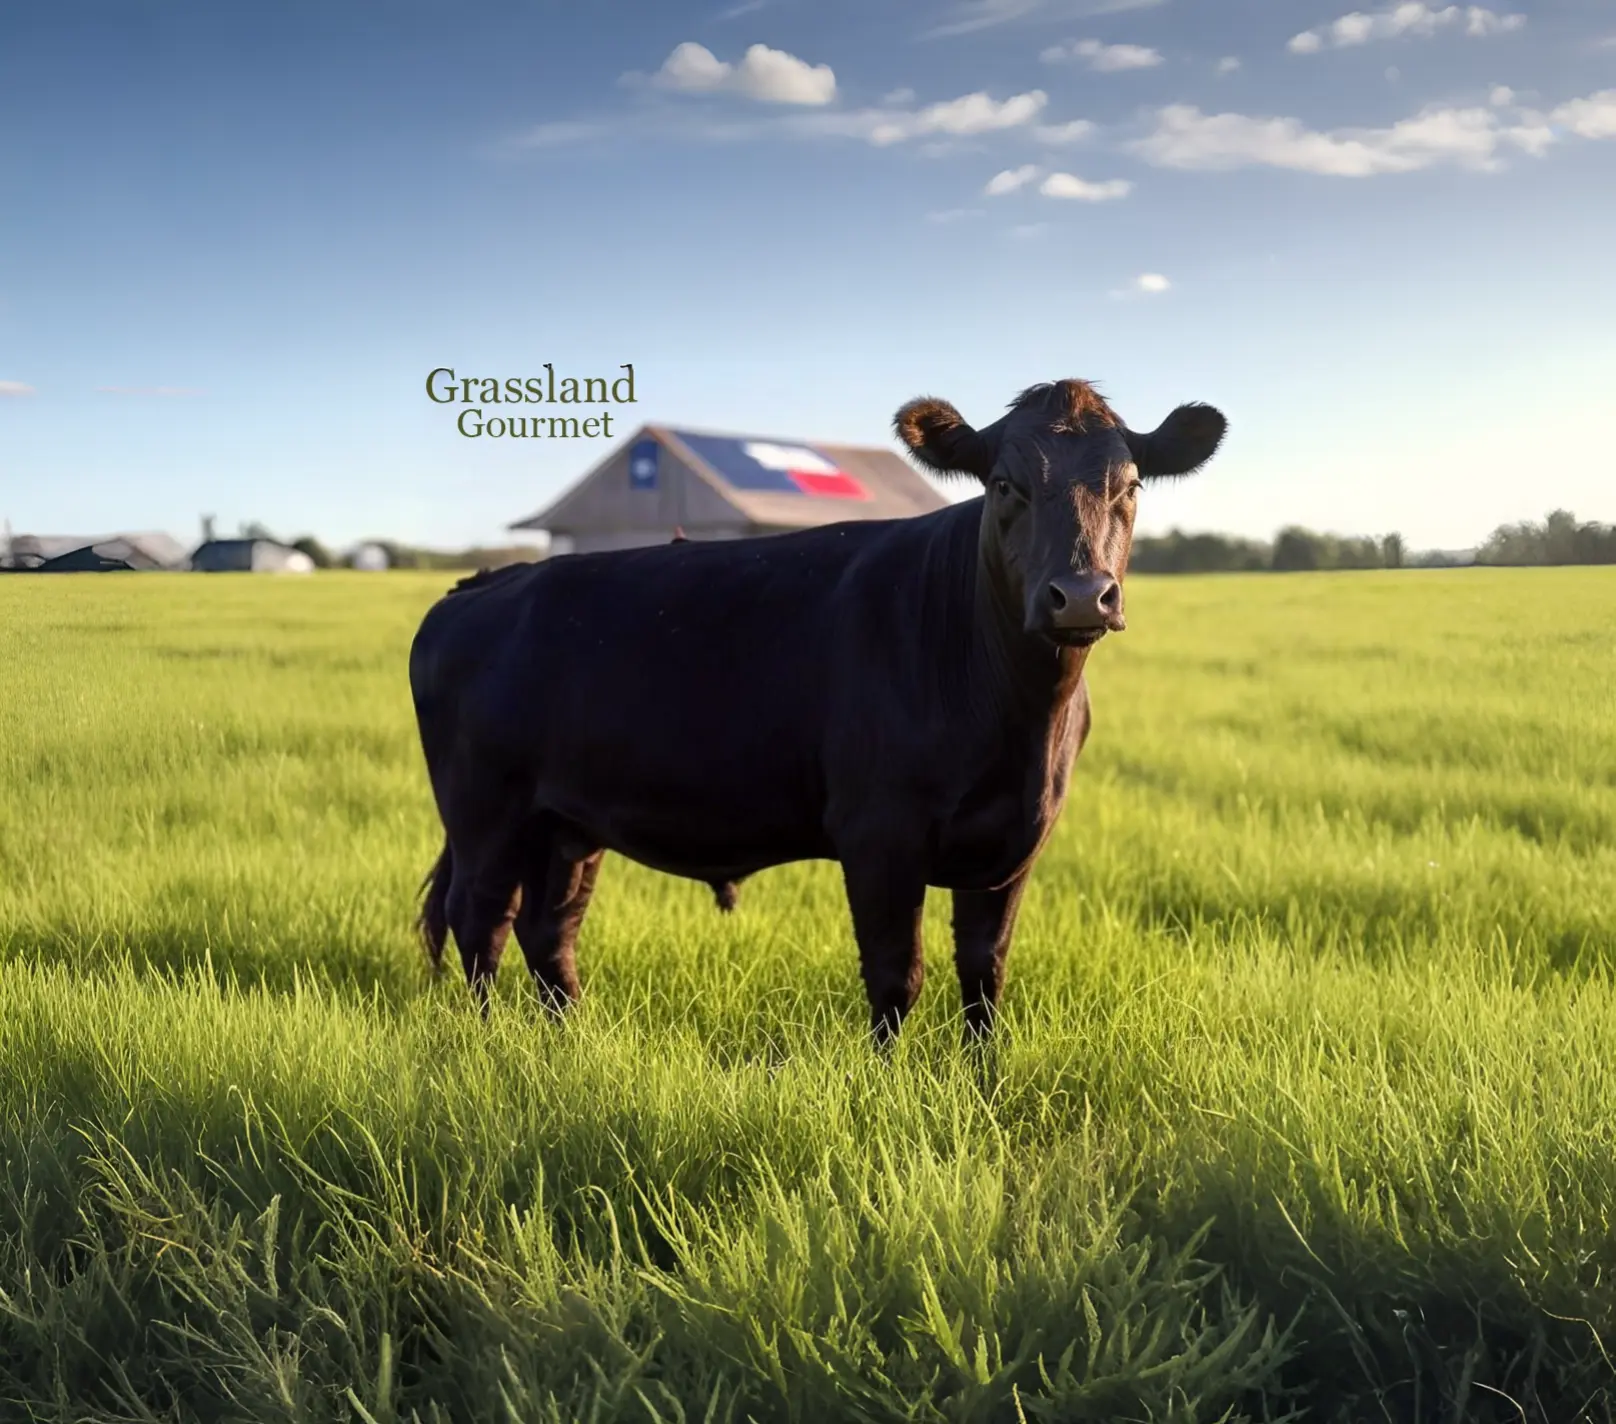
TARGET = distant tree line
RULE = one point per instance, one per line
(1293, 550)
(1559, 539)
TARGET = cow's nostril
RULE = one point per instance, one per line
(1111, 599)
(1057, 597)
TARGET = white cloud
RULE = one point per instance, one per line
(969, 114)
(1410, 18)
(1152, 282)
(1074, 132)
(14, 389)
(692, 66)
(1593, 117)
(898, 96)
(1501, 97)
(769, 75)
(1104, 58)
(775, 77)
(1066, 185)
(746, 7)
(969, 16)
(1228, 64)
(953, 215)
(1011, 179)
(1184, 137)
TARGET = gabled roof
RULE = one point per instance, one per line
(771, 481)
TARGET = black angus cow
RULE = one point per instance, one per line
(905, 697)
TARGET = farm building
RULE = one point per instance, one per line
(716, 486)
(67, 553)
(258, 556)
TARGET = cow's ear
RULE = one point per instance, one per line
(939, 438)
(1181, 444)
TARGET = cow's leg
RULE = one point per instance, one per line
(887, 897)
(482, 822)
(555, 894)
(984, 920)
(481, 905)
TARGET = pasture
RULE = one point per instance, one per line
(1303, 1106)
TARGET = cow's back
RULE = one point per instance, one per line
(672, 702)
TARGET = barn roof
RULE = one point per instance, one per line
(148, 549)
(772, 481)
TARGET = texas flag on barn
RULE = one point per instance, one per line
(768, 467)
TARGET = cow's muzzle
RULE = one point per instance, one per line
(1080, 609)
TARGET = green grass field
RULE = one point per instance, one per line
(1304, 1105)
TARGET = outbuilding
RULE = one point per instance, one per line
(69, 553)
(257, 556)
(718, 486)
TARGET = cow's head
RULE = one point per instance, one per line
(1061, 472)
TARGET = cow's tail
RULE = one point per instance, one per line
(433, 922)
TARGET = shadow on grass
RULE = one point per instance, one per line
(393, 973)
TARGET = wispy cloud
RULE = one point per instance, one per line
(1102, 58)
(973, 15)
(1056, 185)
(1412, 18)
(1027, 230)
(746, 7)
(1010, 180)
(150, 390)
(942, 123)
(976, 113)
(1477, 138)
(1228, 64)
(769, 75)
(1146, 284)
(1076, 131)
(563, 132)
(12, 389)
(1067, 185)
(1480, 23)
(969, 16)
(953, 215)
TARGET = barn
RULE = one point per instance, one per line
(717, 486)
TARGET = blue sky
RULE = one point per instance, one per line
(234, 240)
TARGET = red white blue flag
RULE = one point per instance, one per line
(770, 466)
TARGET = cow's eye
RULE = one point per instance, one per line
(1003, 488)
